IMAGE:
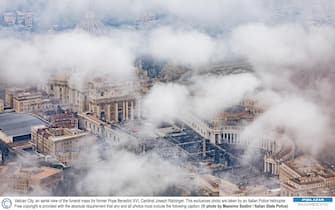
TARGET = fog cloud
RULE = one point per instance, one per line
(124, 173)
(284, 47)
(166, 102)
(294, 121)
(76, 53)
(190, 48)
(205, 97)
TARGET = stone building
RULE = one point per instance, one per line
(216, 186)
(24, 19)
(9, 95)
(109, 102)
(32, 102)
(63, 144)
(17, 179)
(2, 105)
(69, 95)
(91, 123)
(227, 126)
(113, 102)
(9, 18)
(304, 176)
(19, 18)
(63, 120)
(29, 100)
(273, 160)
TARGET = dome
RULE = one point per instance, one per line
(92, 25)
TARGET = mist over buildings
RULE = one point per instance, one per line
(290, 47)
(123, 173)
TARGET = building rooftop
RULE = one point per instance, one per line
(15, 124)
(308, 166)
(310, 172)
(28, 95)
(60, 134)
(45, 172)
(92, 117)
(69, 134)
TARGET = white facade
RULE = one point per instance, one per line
(228, 135)
(101, 129)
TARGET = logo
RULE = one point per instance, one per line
(313, 200)
(6, 203)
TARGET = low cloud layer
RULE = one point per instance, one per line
(214, 94)
(292, 121)
(166, 102)
(125, 173)
(205, 97)
(284, 47)
(189, 48)
(296, 62)
(76, 53)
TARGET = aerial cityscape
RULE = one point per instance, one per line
(167, 98)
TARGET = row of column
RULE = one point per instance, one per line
(230, 138)
(111, 111)
(270, 167)
(268, 145)
(125, 111)
(234, 138)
